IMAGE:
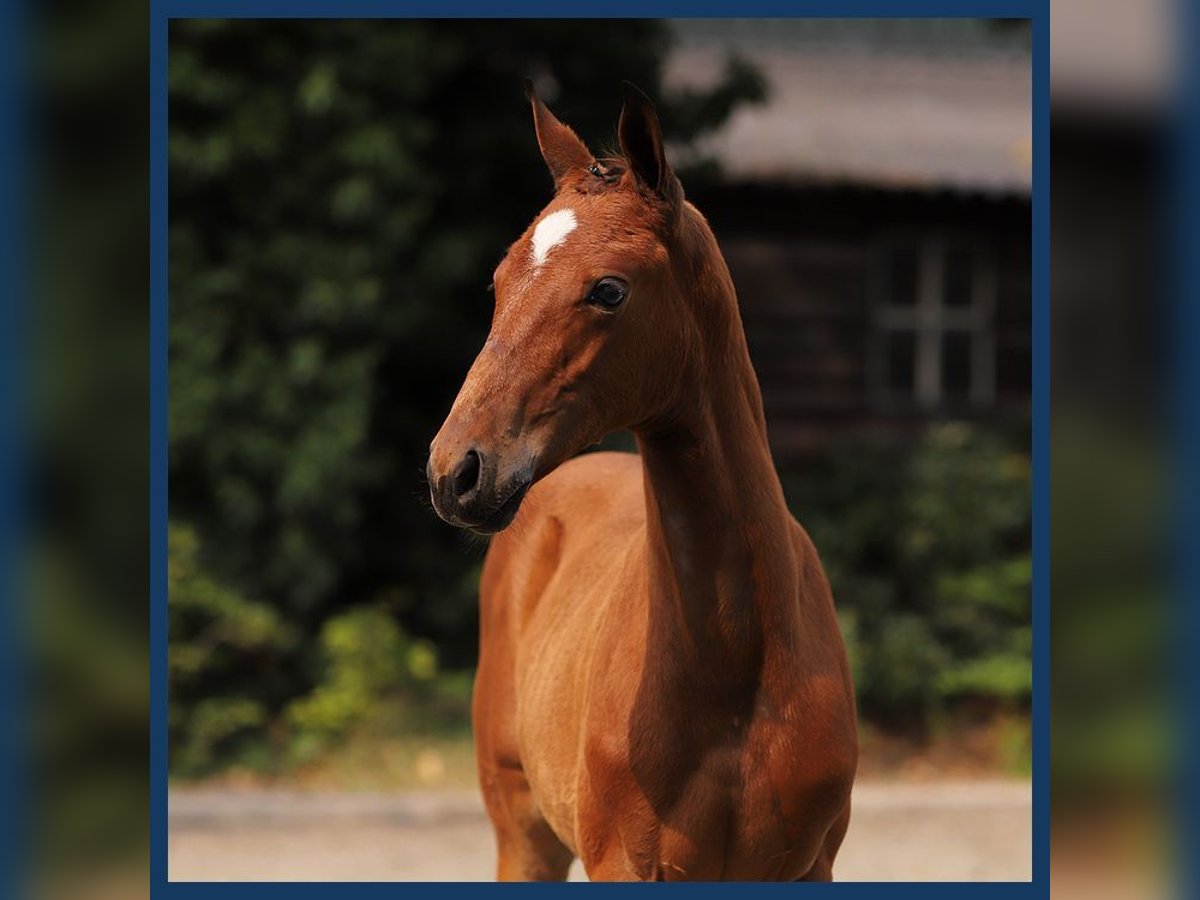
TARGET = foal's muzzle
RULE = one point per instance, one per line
(468, 492)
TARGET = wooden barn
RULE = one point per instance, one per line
(876, 215)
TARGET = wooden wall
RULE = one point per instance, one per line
(803, 260)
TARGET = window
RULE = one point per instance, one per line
(933, 343)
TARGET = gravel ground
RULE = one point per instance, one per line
(946, 831)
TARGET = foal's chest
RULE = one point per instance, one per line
(746, 809)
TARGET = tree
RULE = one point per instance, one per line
(339, 193)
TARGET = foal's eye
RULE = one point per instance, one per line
(608, 293)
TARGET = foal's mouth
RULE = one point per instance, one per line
(502, 516)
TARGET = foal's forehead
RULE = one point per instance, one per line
(549, 232)
(575, 227)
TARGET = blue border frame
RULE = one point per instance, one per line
(14, 274)
(1040, 720)
(161, 11)
(158, 448)
(1182, 201)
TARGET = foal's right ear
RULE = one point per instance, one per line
(561, 147)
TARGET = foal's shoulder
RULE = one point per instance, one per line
(584, 503)
(606, 473)
(591, 488)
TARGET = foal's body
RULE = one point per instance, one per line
(724, 751)
(662, 687)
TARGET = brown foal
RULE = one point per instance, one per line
(662, 687)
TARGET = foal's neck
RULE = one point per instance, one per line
(719, 532)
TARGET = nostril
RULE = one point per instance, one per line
(466, 477)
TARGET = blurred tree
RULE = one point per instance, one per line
(339, 194)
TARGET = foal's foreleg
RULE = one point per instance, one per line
(526, 847)
(822, 868)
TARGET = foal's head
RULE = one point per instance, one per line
(588, 334)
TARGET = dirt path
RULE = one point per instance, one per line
(968, 831)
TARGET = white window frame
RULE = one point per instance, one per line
(929, 319)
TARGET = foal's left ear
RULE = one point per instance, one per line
(561, 147)
(641, 141)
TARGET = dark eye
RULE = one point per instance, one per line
(608, 293)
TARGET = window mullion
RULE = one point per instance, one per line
(929, 332)
(983, 344)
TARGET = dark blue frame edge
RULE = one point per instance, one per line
(163, 10)
(14, 274)
(1182, 199)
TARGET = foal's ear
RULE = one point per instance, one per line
(561, 147)
(641, 141)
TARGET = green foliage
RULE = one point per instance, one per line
(221, 652)
(340, 192)
(368, 660)
(227, 687)
(927, 548)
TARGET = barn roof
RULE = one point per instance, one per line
(948, 110)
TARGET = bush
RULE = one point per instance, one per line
(223, 653)
(340, 192)
(368, 660)
(230, 689)
(929, 558)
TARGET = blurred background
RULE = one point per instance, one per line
(339, 193)
(1116, 473)
(1120, 476)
